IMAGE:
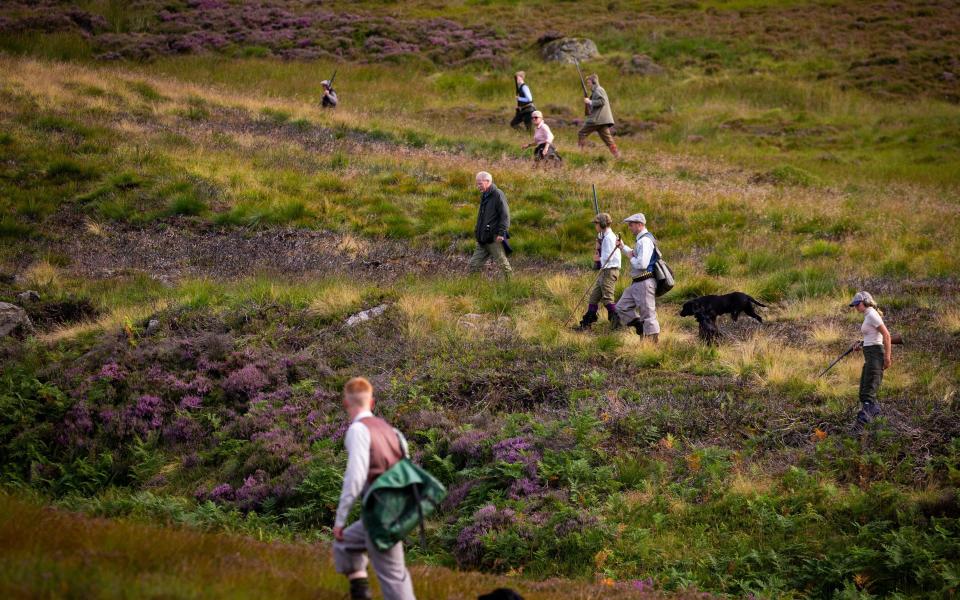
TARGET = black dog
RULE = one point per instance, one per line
(501, 594)
(706, 309)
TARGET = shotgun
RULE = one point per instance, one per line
(583, 84)
(895, 339)
(332, 77)
(596, 211)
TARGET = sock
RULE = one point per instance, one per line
(611, 308)
(592, 308)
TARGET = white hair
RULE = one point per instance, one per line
(484, 176)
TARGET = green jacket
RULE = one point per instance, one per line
(600, 113)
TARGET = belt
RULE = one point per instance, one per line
(647, 275)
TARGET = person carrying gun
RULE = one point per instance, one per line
(606, 259)
(330, 99)
(525, 107)
(599, 115)
(877, 351)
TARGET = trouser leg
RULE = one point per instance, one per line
(872, 374)
(627, 305)
(583, 133)
(480, 256)
(596, 292)
(608, 285)
(392, 573)
(495, 250)
(607, 136)
(648, 306)
(349, 556)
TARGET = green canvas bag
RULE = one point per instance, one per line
(397, 501)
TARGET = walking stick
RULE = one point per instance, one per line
(584, 296)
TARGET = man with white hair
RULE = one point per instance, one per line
(641, 296)
(373, 446)
(493, 226)
(329, 96)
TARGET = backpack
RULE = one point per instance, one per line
(661, 271)
(399, 500)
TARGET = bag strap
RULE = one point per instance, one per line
(416, 496)
(656, 246)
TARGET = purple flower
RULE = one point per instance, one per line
(254, 491)
(249, 380)
(470, 543)
(183, 431)
(111, 372)
(511, 450)
(470, 444)
(190, 402)
(524, 488)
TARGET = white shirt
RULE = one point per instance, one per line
(642, 253)
(608, 249)
(357, 443)
(871, 328)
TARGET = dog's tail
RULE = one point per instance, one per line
(757, 302)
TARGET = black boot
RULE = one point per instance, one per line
(360, 589)
(614, 319)
(588, 319)
(637, 325)
(868, 412)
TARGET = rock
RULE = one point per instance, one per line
(641, 64)
(14, 321)
(694, 139)
(474, 321)
(27, 297)
(567, 49)
(366, 315)
(153, 326)
(548, 37)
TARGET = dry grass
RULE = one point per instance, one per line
(112, 320)
(334, 299)
(949, 320)
(55, 554)
(42, 274)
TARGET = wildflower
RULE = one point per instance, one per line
(819, 435)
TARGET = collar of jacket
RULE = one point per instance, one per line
(489, 192)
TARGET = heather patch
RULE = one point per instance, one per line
(288, 30)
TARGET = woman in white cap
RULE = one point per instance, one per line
(543, 140)
(877, 355)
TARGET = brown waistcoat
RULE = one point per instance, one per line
(385, 450)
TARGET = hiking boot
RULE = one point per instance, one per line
(868, 412)
(588, 319)
(637, 325)
(614, 319)
(360, 589)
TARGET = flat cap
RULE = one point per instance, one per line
(862, 297)
(636, 218)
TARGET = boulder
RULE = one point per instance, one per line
(567, 50)
(14, 321)
(27, 297)
(366, 315)
(641, 64)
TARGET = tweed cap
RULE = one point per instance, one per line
(636, 218)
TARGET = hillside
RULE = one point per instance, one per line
(199, 230)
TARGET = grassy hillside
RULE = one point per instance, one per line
(796, 151)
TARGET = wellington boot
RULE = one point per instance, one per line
(360, 589)
(588, 319)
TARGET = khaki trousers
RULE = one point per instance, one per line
(602, 130)
(640, 301)
(350, 556)
(605, 287)
(484, 252)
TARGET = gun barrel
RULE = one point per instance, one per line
(596, 202)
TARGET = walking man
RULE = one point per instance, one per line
(493, 226)
(373, 446)
(525, 105)
(600, 118)
(641, 296)
(329, 96)
(607, 260)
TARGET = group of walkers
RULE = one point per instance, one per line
(374, 447)
(599, 120)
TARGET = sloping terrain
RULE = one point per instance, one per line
(199, 231)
